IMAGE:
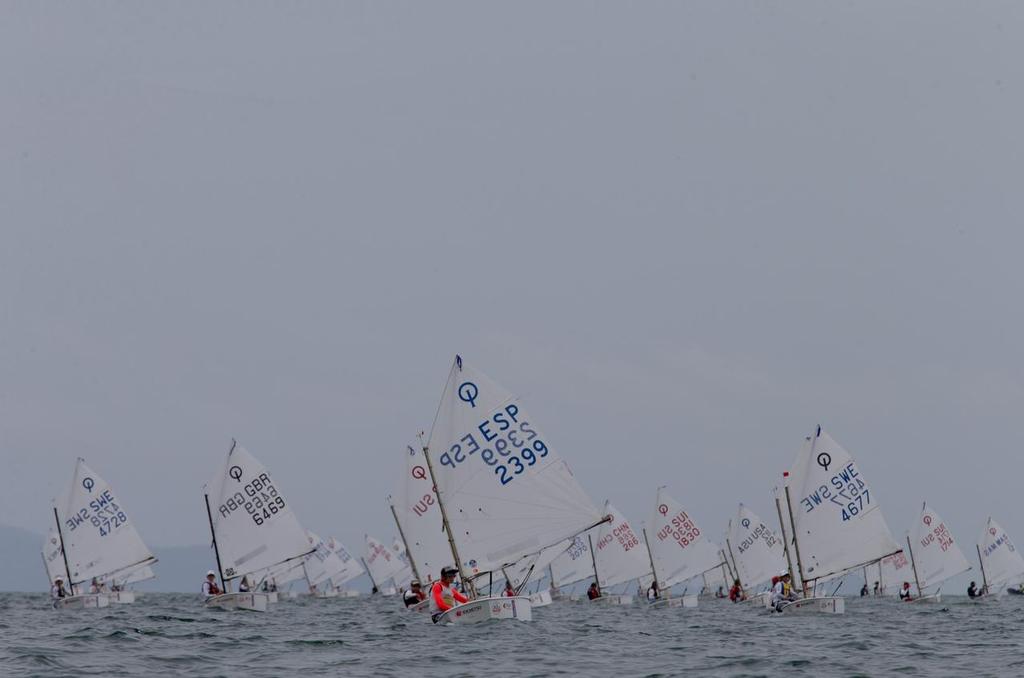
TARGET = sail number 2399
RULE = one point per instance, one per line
(512, 445)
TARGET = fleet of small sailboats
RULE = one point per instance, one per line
(489, 494)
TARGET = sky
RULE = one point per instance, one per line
(684, 233)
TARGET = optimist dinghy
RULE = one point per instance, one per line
(493, 466)
(1001, 562)
(835, 519)
(252, 525)
(95, 540)
(756, 553)
(677, 546)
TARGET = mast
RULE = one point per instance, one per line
(593, 560)
(213, 533)
(468, 583)
(735, 567)
(63, 552)
(726, 567)
(401, 533)
(984, 579)
(796, 542)
(654, 570)
(913, 566)
(373, 581)
(785, 540)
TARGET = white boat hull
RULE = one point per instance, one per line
(540, 599)
(422, 606)
(486, 609)
(763, 599)
(121, 597)
(272, 596)
(822, 605)
(624, 599)
(256, 602)
(934, 598)
(83, 602)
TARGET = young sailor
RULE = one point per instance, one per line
(652, 592)
(974, 592)
(96, 586)
(594, 591)
(443, 595)
(864, 590)
(782, 592)
(244, 587)
(509, 591)
(58, 590)
(905, 592)
(414, 595)
(210, 587)
(736, 592)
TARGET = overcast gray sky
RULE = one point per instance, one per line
(686, 233)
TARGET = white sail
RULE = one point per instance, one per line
(895, 570)
(420, 517)
(144, 573)
(286, 572)
(507, 492)
(936, 556)
(620, 551)
(382, 563)
(53, 557)
(99, 537)
(1002, 562)
(321, 563)
(757, 551)
(679, 547)
(574, 564)
(404, 576)
(838, 522)
(350, 566)
(535, 566)
(253, 522)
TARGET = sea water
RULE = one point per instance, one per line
(174, 635)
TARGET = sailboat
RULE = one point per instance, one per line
(1001, 562)
(385, 568)
(618, 556)
(350, 568)
(318, 567)
(504, 493)
(678, 547)
(573, 565)
(934, 555)
(252, 526)
(835, 520)
(756, 552)
(418, 519)
(97, 538)
(893, 571)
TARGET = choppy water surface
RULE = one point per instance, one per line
(171, 634)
